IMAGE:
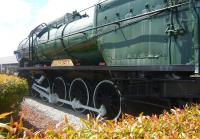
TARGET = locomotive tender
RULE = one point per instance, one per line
(124, 49)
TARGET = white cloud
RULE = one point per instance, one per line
(10, 39)
(55, 8)
(18, 18)
(14, 16)
(13, 11)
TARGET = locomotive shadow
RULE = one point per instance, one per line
(152, 106)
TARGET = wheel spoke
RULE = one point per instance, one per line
(106, 94)
(59, 88)
(79, 91)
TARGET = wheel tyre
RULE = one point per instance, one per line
(107, 99)
(80, 95)
(56, 89)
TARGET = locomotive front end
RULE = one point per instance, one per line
(22, 51)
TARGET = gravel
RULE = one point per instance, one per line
(41, 115)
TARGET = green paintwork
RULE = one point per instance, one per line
(80, 47)
(168, 37)
(146, 42)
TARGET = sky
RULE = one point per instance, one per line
(19, 17)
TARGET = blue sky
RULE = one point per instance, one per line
(19, 17)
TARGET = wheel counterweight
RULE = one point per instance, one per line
(108, 95)
(79, 90)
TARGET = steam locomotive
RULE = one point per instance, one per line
(123, 49)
